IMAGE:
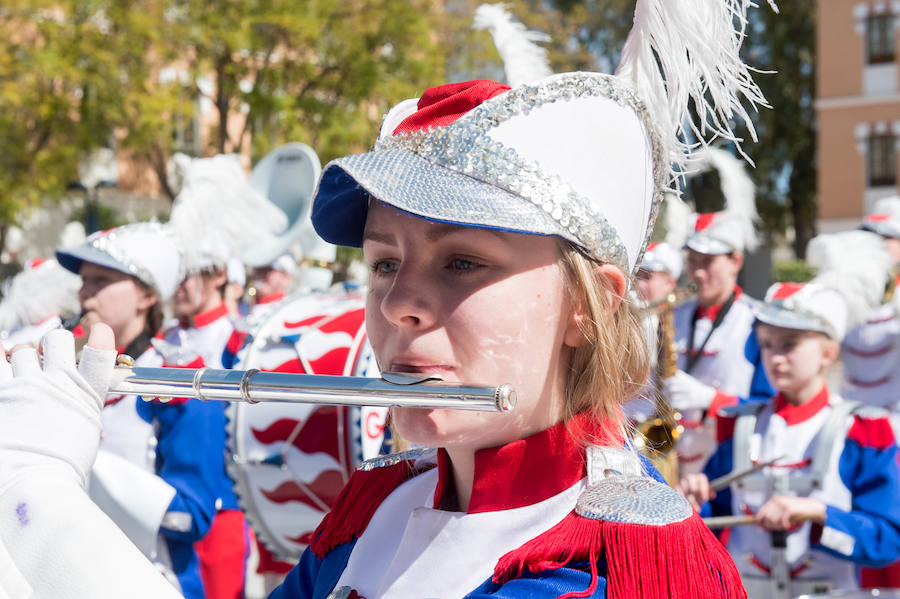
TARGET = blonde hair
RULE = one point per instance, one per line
(614, 364)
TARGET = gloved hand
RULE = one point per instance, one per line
(684, 392)
(56, 543)
(49, 407)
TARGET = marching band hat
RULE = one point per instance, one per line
(805, 306)
(524, 161)
(585, 157)
(853, 267)
(146, 251)
(885, 218)
(716, 233)
(662, 257)
(734, 228)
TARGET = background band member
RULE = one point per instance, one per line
(834, 481)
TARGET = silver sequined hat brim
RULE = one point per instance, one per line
(72, 259)
(460, 174)
(418, 186)
(704, 244)
(778, 315)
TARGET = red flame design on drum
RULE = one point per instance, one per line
(320, 432)
(323, 487)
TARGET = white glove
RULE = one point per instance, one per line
(684, 392)
(51, 412)
(54, 542)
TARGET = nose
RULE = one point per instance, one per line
(410, 301)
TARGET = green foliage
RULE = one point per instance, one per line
(794, 271)
(81, 74)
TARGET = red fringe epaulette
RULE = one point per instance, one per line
(357, 502)
(672, 561)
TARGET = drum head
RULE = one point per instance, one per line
(289, 461)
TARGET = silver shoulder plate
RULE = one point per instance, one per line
(633, 500)
(391, 459)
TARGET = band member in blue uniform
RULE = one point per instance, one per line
(154, 475)
(833, 481)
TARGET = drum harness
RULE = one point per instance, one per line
(778, 585)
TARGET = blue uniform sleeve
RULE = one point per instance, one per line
(548, 584)
(314, 578)
(760, 389)
(189, 457)
(720, 464)
(868, 534)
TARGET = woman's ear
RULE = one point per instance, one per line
(610, 281)
(147, 300)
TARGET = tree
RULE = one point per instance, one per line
(58, 80)
(273, 71)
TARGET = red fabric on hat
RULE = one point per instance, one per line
(786, 290)
(704, 220)
(440, 106)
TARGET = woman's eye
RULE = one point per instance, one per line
(384, 267)
(462, 265)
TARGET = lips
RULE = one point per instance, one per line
(417, 365)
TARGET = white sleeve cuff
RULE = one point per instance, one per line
(837, 540)
(136, 500)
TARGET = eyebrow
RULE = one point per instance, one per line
(438, 231)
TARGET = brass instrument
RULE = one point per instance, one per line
(660, 433)
(253, 386)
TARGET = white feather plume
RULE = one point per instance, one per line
(856, 265)
(38, 293)
(677, 220)
(217, 215)
(683, 53)
(737, 187)
(523, 60)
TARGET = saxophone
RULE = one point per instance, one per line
(659, 434)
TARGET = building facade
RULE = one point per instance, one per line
(858, 107)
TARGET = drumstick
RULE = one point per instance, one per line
(724, 482)
(728, 521)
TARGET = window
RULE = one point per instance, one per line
(882, 160)
(880, 38)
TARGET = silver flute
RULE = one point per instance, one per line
(253, 386)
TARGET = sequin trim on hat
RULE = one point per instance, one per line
(465, 147)
(791, 313)
(106, 243)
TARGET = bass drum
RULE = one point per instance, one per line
(289, 461)
(857, 594)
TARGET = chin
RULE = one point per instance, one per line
(447, 428)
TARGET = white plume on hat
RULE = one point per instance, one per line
(42, 290)
(523, 60)
(853, 270)
(217, 215)
(683, 53)
(855, 264)
(734, 228)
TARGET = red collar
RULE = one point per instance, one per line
(796, 414)
(711, 312)
(210, 316)
(271, 298)
(529, 470)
